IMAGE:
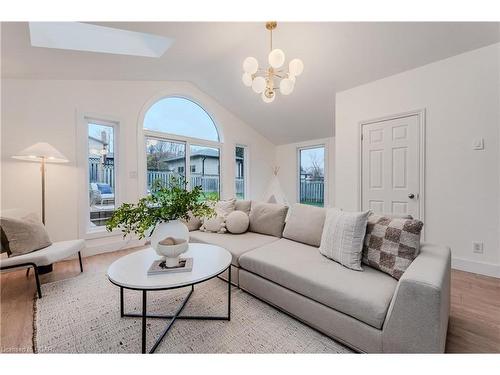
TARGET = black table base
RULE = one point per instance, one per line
(144, 315)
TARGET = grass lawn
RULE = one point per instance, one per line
(316, 204)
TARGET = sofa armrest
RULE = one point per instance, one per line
(417, 319)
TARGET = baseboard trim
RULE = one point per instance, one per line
(482, 268)
(109, 244)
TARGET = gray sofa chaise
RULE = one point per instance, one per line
(368, 311)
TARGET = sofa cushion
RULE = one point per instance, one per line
(48, 255)
(244, 206)
(193, 223)
(391, 244)
(342, 239)
(305, 224)
(236, 244)
(217, 223)
(237, 222)
(267, 218)
(363, 295)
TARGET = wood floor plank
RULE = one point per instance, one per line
(474, 325)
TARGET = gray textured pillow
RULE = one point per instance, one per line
(24, 235)
(391, 244)
(343, 235)
(267, 218)
(237, 222)
(305, 224)
(243, 206)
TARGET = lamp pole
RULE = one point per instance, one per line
(42, 169)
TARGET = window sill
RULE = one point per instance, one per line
(100, 232)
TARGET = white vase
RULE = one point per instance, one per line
(174, 228)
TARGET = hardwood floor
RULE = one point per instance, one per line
(474, 320)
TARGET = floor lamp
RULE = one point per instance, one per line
(43, 153)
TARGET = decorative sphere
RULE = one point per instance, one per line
(276, 58)
(296, 67)
(247, 79)
(268, 96)
(259, 84)
(286, 86)
(250, 65)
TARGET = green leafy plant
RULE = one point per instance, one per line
(170, 201)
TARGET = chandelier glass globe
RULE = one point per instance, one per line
(259, 84)
(296, 67)
(286, 86)
(250, 65)
(268, 96)
(247, 79)
(276, 58)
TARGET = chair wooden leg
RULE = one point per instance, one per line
(80, 259)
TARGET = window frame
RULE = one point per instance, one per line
(300, 148)
(143, 134)
(85, 118)
(151, 103)
(246, 170)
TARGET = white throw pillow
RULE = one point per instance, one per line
(343, 235)
(237, 222)
(224, 208)
(217, 223)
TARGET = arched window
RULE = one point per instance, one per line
(180, 116)
(178, 130)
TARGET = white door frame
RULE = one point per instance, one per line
(420, 113)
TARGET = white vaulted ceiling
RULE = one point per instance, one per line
(336, 56)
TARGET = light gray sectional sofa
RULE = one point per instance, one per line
(369, 311)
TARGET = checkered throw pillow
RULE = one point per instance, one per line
(391, 244)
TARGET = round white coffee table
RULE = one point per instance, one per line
(130, 272)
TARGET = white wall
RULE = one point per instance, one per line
(286, 159)
(462, 100)
(48, 110)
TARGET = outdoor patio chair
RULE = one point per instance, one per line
(102, 192)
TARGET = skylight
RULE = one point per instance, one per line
(93, 38)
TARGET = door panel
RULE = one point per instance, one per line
(376, 169)
(390, 166)
(399, 168)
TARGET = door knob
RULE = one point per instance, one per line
(411, 195)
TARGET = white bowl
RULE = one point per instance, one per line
(172, 252)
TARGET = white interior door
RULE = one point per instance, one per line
(390, 166)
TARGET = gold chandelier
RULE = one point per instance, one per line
(266, 81)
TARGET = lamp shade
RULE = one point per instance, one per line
(39, 151)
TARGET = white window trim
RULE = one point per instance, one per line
(84, 229)
(326, 182)
(142, 134)
(246, 170)
(187, 141)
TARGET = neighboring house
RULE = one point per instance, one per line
(204, 161)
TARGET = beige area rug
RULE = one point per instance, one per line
(82, 315)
